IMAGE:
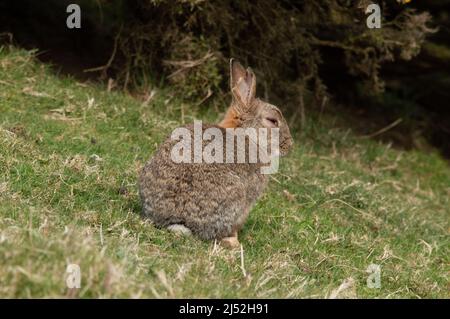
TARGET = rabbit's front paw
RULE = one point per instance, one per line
(230, 242)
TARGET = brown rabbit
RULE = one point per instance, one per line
(213, 200)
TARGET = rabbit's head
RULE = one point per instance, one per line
(248, 111)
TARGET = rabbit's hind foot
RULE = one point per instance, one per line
(180, 229)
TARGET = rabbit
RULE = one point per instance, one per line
(212, 200)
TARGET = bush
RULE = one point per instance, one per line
(293, 44)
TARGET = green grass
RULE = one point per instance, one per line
(69, 157)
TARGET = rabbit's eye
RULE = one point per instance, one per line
(272, 120)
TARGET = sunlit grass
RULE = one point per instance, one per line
(69, 157)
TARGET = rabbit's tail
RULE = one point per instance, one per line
(180, 229)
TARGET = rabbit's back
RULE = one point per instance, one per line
(212, 200)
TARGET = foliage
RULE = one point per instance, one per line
(294, 46)
(286, 41)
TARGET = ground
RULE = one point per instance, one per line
(70, 153)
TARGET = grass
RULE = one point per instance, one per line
(69, 156)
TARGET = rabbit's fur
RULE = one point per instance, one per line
(212, 200)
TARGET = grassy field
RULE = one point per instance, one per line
(69, 157)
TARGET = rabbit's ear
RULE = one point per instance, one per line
(243, 85)
(237, 71)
